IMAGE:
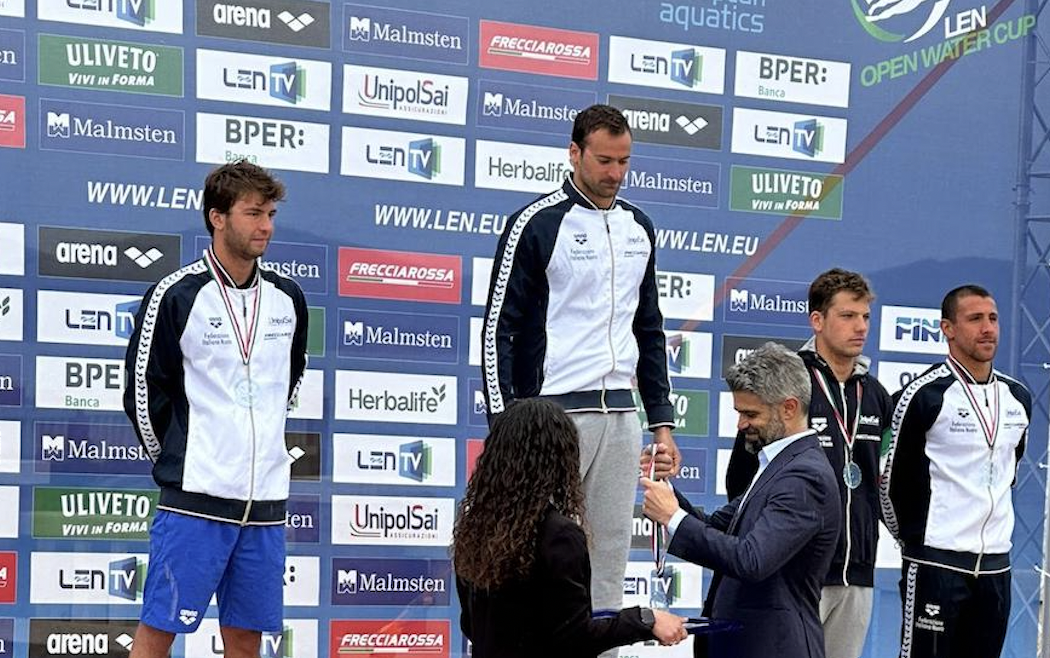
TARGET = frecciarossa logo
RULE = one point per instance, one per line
(531, 49)
(399, 275)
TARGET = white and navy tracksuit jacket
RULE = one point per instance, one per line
(945, 493)
(211, 419)
(573, 309)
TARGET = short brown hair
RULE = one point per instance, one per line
(225, 184)
(598, 117)
(836, 280)
(950, 304)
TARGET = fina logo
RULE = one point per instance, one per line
(493, 104)
(346, 581)
(360, 29)
(919, 330)
(423, 157)
(897, 12)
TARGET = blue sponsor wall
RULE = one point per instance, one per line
(411, 131)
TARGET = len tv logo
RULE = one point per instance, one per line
(807, 138)
(284, 82)
(684, 67)
(126, 578)
(416, 461)
(422, 157)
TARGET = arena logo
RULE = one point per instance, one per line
(289, 22)
(103, 638)
(400, 275)
(399, 582)
(686, 295)
(408, 34)
(381, 520)
(137, 68)
(80, 448)
(12, 56)
(79, 383)
(370, 459)
(391, 397)
(526, 107)
(519, 167)
(12, 121)
(261, 80)
(678, 182)
(666, 65)
(784, 192)
(111, 514)
(409, 157)
(910, 329)
(304, 448)
(783, 135)
(672, 123)
(395, 336)
(391, 636)
(792, 79)
(544, 50)
(11, 313)
(11, 380)
(145, 15)
(271, 143)
(400, 94)
(85, 318)
(766, 301)
(737, 348)
(112, 129)
(116, 255)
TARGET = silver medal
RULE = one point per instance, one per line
(851, 475)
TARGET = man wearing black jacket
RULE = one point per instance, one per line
(851, 435)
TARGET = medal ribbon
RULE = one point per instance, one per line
(848, 436)
(659, 537)
(990, 426)
(245, 339)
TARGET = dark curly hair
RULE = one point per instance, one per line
(228, 183)
(531, 460)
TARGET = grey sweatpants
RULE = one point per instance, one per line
(845, 613)
(609, 448)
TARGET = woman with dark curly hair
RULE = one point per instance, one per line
(522, 568)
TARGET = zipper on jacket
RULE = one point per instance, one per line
(849, 492)
(612, 303)
(251, 414)
(991, 494)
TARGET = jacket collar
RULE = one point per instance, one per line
(808, 352)
(581, 199)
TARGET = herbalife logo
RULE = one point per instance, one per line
(427, 400)
(677, 353)
(296, 23)
(58, 124)
(493, 104)
(136, 12)
(360, 29)
(126, 578)
(686, 67)
(807, 138)
(416, 461)
(422, 157)
(143, 258)
(691, 126)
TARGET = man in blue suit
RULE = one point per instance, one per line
(769, 548)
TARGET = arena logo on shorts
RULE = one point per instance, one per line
(187, 616)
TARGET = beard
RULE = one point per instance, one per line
(760, 438)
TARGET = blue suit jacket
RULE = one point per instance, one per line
(770, 555)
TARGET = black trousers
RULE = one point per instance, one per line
(952, 614)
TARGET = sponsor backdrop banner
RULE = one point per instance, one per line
(772, 140)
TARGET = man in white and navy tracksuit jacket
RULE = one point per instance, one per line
(958, 432)
(573, 315)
